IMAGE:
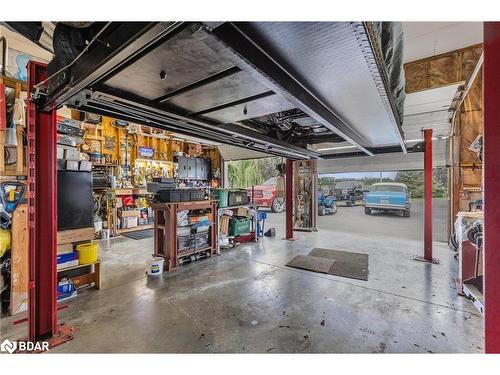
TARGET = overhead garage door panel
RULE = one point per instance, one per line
(229, 153)
(385, 162)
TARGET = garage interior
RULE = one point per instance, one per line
(119, 213)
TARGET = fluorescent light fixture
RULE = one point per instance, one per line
(335, 148)
(433, 138)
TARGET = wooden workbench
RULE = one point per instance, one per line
(165, 229)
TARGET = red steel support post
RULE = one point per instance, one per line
(491, 174)
(428, 195)
(427, 199)
(42, 201)
(289, 199)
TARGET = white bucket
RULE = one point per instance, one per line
(155, 266)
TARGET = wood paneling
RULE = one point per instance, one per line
(441, 70)
(20, 269)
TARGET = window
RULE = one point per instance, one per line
(394, 188)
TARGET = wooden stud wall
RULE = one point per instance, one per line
(445, 69)
(441, 70)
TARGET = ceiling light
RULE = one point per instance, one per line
(335, 148)
(439, 137)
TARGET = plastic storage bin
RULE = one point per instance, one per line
(87, 252)
(197, 195)
(165, 196)
(185, 195)
(238, 226)
(201, 240)
(183, 244)
(222, 196)
(237, 197)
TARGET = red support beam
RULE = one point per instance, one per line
(491, 173)
(42, 201)
(427, 199)
(428, 195)
(289, 199)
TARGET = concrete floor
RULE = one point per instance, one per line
(246, 300)
(353, 220)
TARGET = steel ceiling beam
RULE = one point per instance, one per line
(116, 103)
(251, 57)
(235, 103)
(202, 82)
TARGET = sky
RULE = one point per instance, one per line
(360, 175)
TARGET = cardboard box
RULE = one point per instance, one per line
(129, 222)
(240, 211)
(60, 152)
(131, 213)
(75, 235)
(72, 165)
(86, 166)
(64, 248)
(71, 154)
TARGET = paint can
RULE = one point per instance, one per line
(155, 266)
(105, 233)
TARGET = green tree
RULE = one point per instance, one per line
(246, 173)
(415, 182)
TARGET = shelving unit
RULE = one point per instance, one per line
(220, 214)
(90, 278)
(165, 228)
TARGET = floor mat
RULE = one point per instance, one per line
(347, 264)
(140, 235)
(311, 263)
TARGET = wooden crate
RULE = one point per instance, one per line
(75, 235)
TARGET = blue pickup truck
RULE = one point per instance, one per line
(389, 197)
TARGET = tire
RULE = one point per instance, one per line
(406, 213)
(278, 205)
(70, 39)
(321, 210)
(68, 42)
(368, 211)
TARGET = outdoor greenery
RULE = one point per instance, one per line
(415, 182)
(246, 173)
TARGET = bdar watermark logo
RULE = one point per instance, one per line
(23, 346)
(8, 346)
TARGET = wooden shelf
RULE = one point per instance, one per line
(78, 266)
(471, 165)
(139, 227)
(202, 250)
(105, 165)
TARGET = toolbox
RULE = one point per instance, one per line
(238, 226)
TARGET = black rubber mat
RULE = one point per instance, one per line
(347, 264)
(311, 263)
(140, 235)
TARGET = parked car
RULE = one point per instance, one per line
(389, 197)
(349, 192)
(265, 196)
